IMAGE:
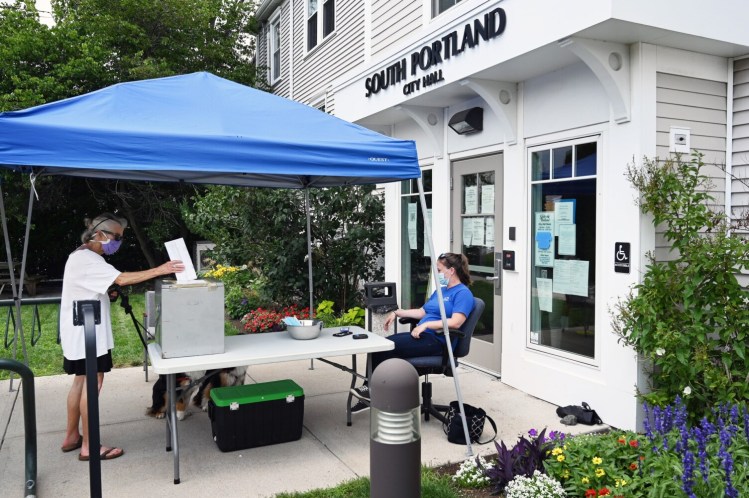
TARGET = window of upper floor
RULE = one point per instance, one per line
(274, 50)
(439, 6)
(319, 24)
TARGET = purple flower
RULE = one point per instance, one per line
(533, 433)
(700, 436)
(687, 477)
(727, 459)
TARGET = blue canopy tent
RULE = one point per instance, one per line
(200, 128)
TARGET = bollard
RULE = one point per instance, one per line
(395, 433)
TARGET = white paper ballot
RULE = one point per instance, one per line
(177, 250)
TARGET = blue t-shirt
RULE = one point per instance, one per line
(458, 299)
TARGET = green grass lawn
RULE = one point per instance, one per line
(45, 357)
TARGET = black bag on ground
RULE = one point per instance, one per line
(475, 418)
(584, 414)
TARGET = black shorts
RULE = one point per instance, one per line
(78, 367)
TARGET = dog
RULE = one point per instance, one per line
(186, 382)
(217, 378)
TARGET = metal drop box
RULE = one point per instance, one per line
(189, 317)
(256, 414)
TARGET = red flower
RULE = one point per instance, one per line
(621, 440)
(604, 492)
(633, 466)
(634, 443)
(591, 492)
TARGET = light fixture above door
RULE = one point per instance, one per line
(467, 121)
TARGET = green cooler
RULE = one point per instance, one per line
(256, 414)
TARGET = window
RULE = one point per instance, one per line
(415, 255)
(439, 6)
(317, 23)
(274, 47)
(563, 242)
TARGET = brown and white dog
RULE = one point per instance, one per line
(185, 384)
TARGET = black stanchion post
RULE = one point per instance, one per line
(395, 444)
(88, 314)
(29, 419)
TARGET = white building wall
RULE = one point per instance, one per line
(557, 97)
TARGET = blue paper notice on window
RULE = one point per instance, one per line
(543, 239)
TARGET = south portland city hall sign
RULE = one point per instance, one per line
(428, 57)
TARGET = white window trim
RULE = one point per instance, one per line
(320, 37)
(274, 21)
(561, 140)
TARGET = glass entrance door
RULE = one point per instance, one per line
(477, 233)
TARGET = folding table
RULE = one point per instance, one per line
(258, 349)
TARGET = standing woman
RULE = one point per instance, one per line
(426, 339)
(87, 277)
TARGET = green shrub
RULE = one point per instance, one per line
(689, 317)
(326, 313)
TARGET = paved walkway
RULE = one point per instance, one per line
(328, 453)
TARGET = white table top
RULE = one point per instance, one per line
(270, 347)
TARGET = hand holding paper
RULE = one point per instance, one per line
(178, 254)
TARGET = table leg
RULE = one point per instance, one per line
(351, 396)
(171, 385)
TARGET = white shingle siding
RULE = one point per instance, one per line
(391, 19)
(699, 105)
(333, 56)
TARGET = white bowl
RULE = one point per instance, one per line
(309, 329)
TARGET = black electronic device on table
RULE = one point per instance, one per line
(344, 332)
(360, 336)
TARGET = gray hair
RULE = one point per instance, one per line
(105, 221)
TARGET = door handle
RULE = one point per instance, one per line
(492, 278)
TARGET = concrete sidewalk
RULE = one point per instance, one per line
(328, 453)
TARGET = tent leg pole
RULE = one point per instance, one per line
(440, 299)
(17, 289)
(309, 252)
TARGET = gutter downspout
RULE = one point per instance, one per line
(729, 145)
(291, 50)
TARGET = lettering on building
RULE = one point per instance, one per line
(426, 58)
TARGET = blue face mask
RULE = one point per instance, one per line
(443, 279)
(110, 246)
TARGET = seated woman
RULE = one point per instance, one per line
(427, 339)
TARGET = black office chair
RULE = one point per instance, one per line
(440, 364)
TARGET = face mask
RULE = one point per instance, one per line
(443, 279)
(110, 246)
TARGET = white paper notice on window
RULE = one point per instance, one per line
(426, 239)
(489, 239)
(544, 288)
(467, 231)
(478, 232)
(567, 239)
(177, 250)
(472, 200)
(412, 225)
(487, 199)
(571, 277)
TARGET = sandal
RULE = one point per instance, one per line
(104, 455)
(73, 446)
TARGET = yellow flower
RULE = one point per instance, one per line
(560, 458)
(556, 451)
(600, 472)
(620, 483)
(597, 461)
(585, 480)
(566, 474)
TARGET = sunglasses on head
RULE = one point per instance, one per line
(116, 236)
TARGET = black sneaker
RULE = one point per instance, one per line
(360, 406)
(361, 392)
